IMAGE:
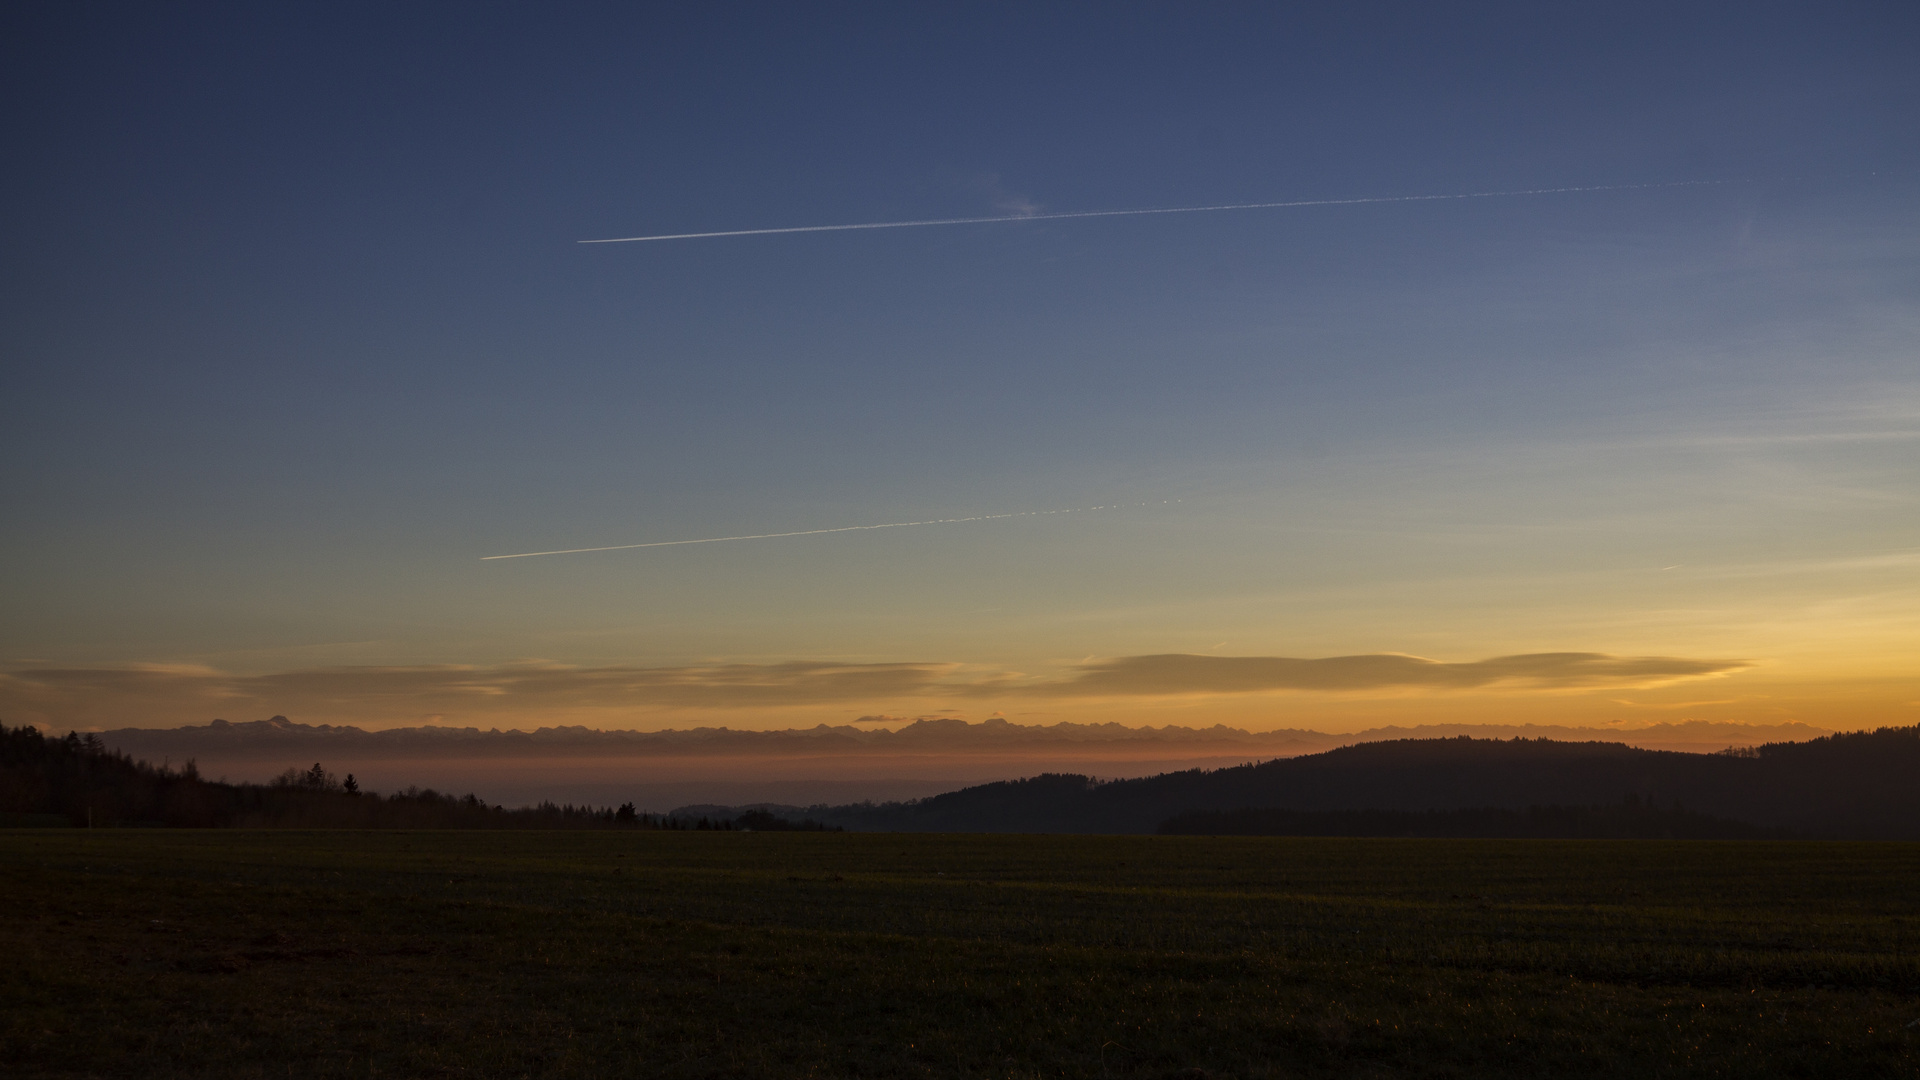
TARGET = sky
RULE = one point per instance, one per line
(298, 330)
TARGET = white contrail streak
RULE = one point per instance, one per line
(814, 532)
(1160, 210)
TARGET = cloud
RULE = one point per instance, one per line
(1010, 203)
(147, 693)
(1182, 673)
(884, 718)
(720, 685)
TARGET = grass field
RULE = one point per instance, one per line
(273, 954)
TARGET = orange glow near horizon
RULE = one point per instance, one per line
(1613, 693)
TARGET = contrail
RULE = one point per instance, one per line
(1160, 210)
(816, 532)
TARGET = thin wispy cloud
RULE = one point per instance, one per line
(1074, 214)
(820, 532)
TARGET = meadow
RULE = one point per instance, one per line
(154, 952)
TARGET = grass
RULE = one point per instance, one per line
(236, 953)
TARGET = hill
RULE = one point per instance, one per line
(1859, 785)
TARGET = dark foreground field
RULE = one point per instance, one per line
(162, 953)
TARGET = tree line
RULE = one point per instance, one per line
(77, 780)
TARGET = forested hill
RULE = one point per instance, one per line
(81, 781)
(1863, 785)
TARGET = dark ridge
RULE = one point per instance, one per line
(1859, 785)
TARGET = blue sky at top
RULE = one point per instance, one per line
(296, 329)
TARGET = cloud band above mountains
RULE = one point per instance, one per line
(129, 693)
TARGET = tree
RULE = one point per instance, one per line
(625, 815)
(350, 785)
(314, 779)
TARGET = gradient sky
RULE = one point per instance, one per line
(296, 330)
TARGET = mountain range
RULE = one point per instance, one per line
(282, 737)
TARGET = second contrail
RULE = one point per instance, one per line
(814, 532)
(1158, 210)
